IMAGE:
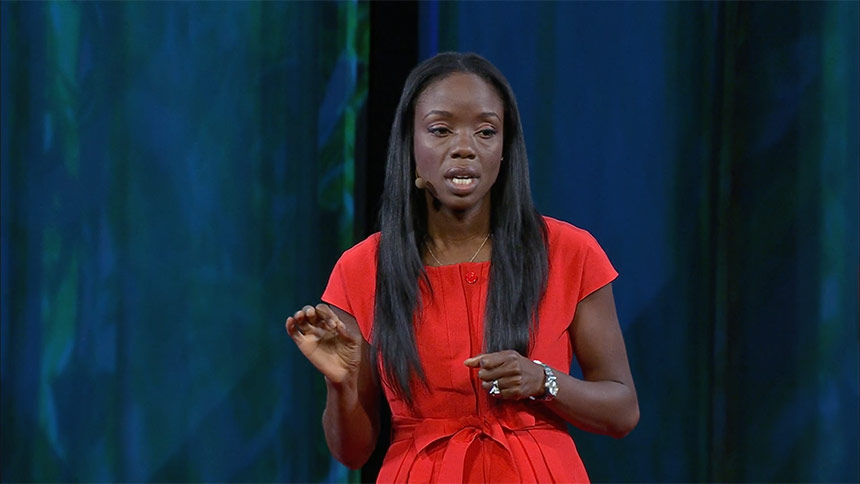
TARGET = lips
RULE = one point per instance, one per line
(461, 172)
(461, 180)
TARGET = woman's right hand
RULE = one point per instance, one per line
(326, 342)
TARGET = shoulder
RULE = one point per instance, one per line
(566, 237)
(352, 283)
(362, 255)
(576, 260)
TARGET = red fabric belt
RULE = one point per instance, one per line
(461, 434)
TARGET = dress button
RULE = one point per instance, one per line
(471, 277)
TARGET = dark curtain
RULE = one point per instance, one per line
(712, 149)
(177, 178)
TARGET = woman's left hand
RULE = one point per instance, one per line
(518, 377)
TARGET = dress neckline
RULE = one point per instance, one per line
(457, 265)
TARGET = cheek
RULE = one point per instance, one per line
(424, 157)
(492, 160)
(492, 170)
(492, 156)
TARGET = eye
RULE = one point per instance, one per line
(487, 133)
(438, 130)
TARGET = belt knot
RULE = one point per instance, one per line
(461, 433)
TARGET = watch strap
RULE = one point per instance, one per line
(550, 384)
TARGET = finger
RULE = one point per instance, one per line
(303, 316)
(486, 360)
(509, 389)
(292, 329)
(498, 372)
(514, 393)
(315, 320)
(511, 382)
(292, 325)
(503, 383)
(509, 394)
(325, 312)
(305, 325)
(299, 330)
(489, 361)
(310, 312)
(494, 388)
(502, 364)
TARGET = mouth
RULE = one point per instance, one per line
(462, 180)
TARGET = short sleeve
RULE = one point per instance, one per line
(335, 292)
(597, 271)
(352, 283)
(576, 260)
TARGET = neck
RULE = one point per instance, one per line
(457, 235)
(446, 225)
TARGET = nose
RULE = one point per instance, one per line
(463, 147)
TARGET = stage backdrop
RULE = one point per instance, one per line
(712, 149)
(176, 179)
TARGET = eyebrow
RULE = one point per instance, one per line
(490, 114)
(447, 114)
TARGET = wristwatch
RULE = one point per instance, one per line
(550, 384)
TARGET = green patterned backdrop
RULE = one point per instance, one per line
(177, 178)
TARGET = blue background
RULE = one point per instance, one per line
(179, 177)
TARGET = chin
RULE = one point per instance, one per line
(461, 204)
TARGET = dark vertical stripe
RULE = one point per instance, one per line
(542, 146)
(393, 53)
(21, 71)
(449, 26)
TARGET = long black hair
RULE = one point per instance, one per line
(518, 264)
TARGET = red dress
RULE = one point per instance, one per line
(453, 432)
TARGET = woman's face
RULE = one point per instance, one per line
(458, 139)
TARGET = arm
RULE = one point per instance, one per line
(605, 400)
(331, 340)
(351, 416)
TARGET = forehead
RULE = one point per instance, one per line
(460, 91)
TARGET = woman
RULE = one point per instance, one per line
(468, 306)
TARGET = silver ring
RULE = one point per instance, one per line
(495, 390)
